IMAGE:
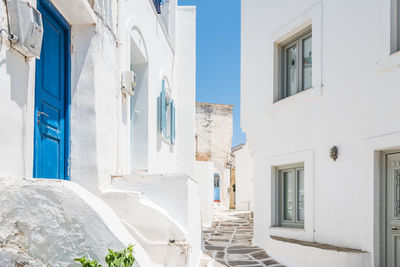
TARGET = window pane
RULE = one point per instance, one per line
(288, 188)
(307, 63)
(398, 24)
(291, 70)
(300, 195)
(168, 117)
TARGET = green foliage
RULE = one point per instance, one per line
(123, 258)
(88, 263)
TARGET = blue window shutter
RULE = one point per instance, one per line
(172, 122)
(157, 4)
(163, 108)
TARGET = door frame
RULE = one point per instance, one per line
(50, 8)
(219, 187)
(232, 190)
(383, 204)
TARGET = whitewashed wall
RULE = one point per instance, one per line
(204, 174)
(353, 104)
(100, 125)
(101, 46)
(244, 171)
(185, 80)
(16, 112)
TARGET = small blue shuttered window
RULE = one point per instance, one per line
(166, 115)
(158, 4)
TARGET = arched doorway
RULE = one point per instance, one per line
(139, 103)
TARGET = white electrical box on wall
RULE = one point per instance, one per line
(26, 27)
(128, 80)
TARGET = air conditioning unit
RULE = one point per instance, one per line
(26, 27)
(128, 81)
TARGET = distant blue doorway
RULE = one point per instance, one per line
(217, 188)
(52, 94)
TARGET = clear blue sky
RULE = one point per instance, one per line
(218, 56)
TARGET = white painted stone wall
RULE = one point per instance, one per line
(16, 98)
(353, 104)
(100, 145)
(162, 212)
(50, 223)
(102, 35)
(204, 174)
(185, 79)
(214, 131)
(244, 171)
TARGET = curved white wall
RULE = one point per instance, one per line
(37, 213)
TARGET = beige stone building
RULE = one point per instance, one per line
(214, 131)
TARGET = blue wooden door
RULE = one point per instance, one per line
(51, 97)
(216, 188)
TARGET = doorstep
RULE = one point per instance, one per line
(316, 245)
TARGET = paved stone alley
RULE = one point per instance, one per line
(229, 241)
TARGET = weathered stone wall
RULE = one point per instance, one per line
(214, 131)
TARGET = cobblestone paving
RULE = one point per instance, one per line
(228, 241)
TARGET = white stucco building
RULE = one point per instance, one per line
(65, 116)
(204, 174)
(318, 75)
(243, 168)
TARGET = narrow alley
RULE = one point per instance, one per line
(229, 241)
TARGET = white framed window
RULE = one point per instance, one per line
(290, 196)
(398, 24)
(295, 71)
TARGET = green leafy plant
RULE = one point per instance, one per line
(123, 258)
(87, 262)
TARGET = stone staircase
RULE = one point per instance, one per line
(150, 222)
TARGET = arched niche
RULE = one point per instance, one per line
(139, 128)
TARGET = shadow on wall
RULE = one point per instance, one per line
(84, 56)
(18, 70)
(81, 40)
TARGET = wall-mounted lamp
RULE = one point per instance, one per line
(333, 153)
(229, 165)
